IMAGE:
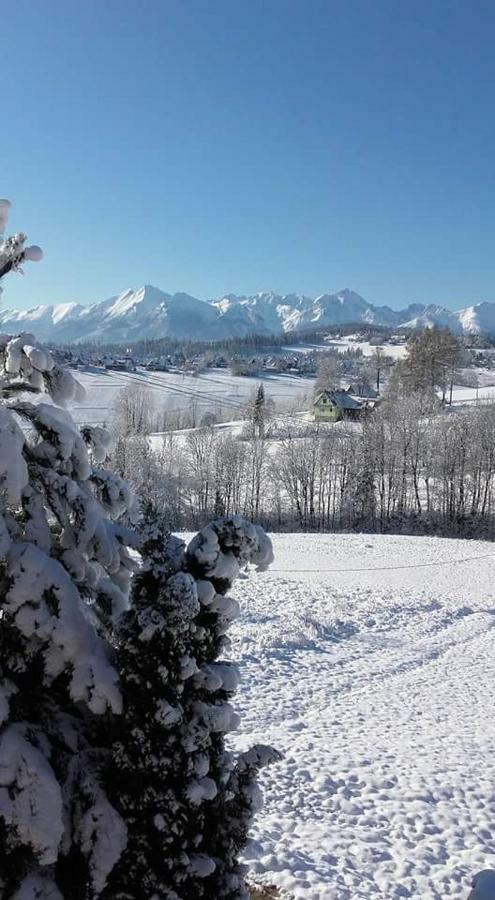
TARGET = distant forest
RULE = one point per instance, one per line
(166, 346)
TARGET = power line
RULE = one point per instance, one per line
(212, 398)
(446, 562)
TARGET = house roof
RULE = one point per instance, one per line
(361, 389)
(339, 398)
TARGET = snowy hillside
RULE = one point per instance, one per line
(151, 313)
(368, 660)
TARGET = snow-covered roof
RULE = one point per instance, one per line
(339, 398)
(361, 389)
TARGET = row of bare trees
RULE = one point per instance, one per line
(406, 467)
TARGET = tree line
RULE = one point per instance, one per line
(407, 467)
(414, 464)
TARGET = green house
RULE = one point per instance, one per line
(333, 406)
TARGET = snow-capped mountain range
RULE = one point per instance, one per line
(151, 313)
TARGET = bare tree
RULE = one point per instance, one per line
(326, 374)
(433, 356)
(133, 412)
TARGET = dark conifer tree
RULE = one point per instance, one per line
(63, 561)
(259, 412)
(187, 803)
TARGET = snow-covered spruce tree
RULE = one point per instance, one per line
(64, 565)
(63, 558)
(186, 801)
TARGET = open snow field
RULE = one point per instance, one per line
(396, 351)
(377, 682)
(210, 391)
(349, 342)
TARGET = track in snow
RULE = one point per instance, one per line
(379, 688)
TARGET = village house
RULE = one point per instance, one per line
(333, 406)
(125, 364)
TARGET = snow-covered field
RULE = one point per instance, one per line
(396, 351)
(216, 390)
(210, 391)
(349, 342)
(377, 681)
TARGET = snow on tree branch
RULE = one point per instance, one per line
(43, 604)
(13, 251)
(65, 569)
(26, 365)
(220, 550)
(187, 802)
(37, 887)
(30, 796)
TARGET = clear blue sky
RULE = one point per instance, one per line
(212, 146)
